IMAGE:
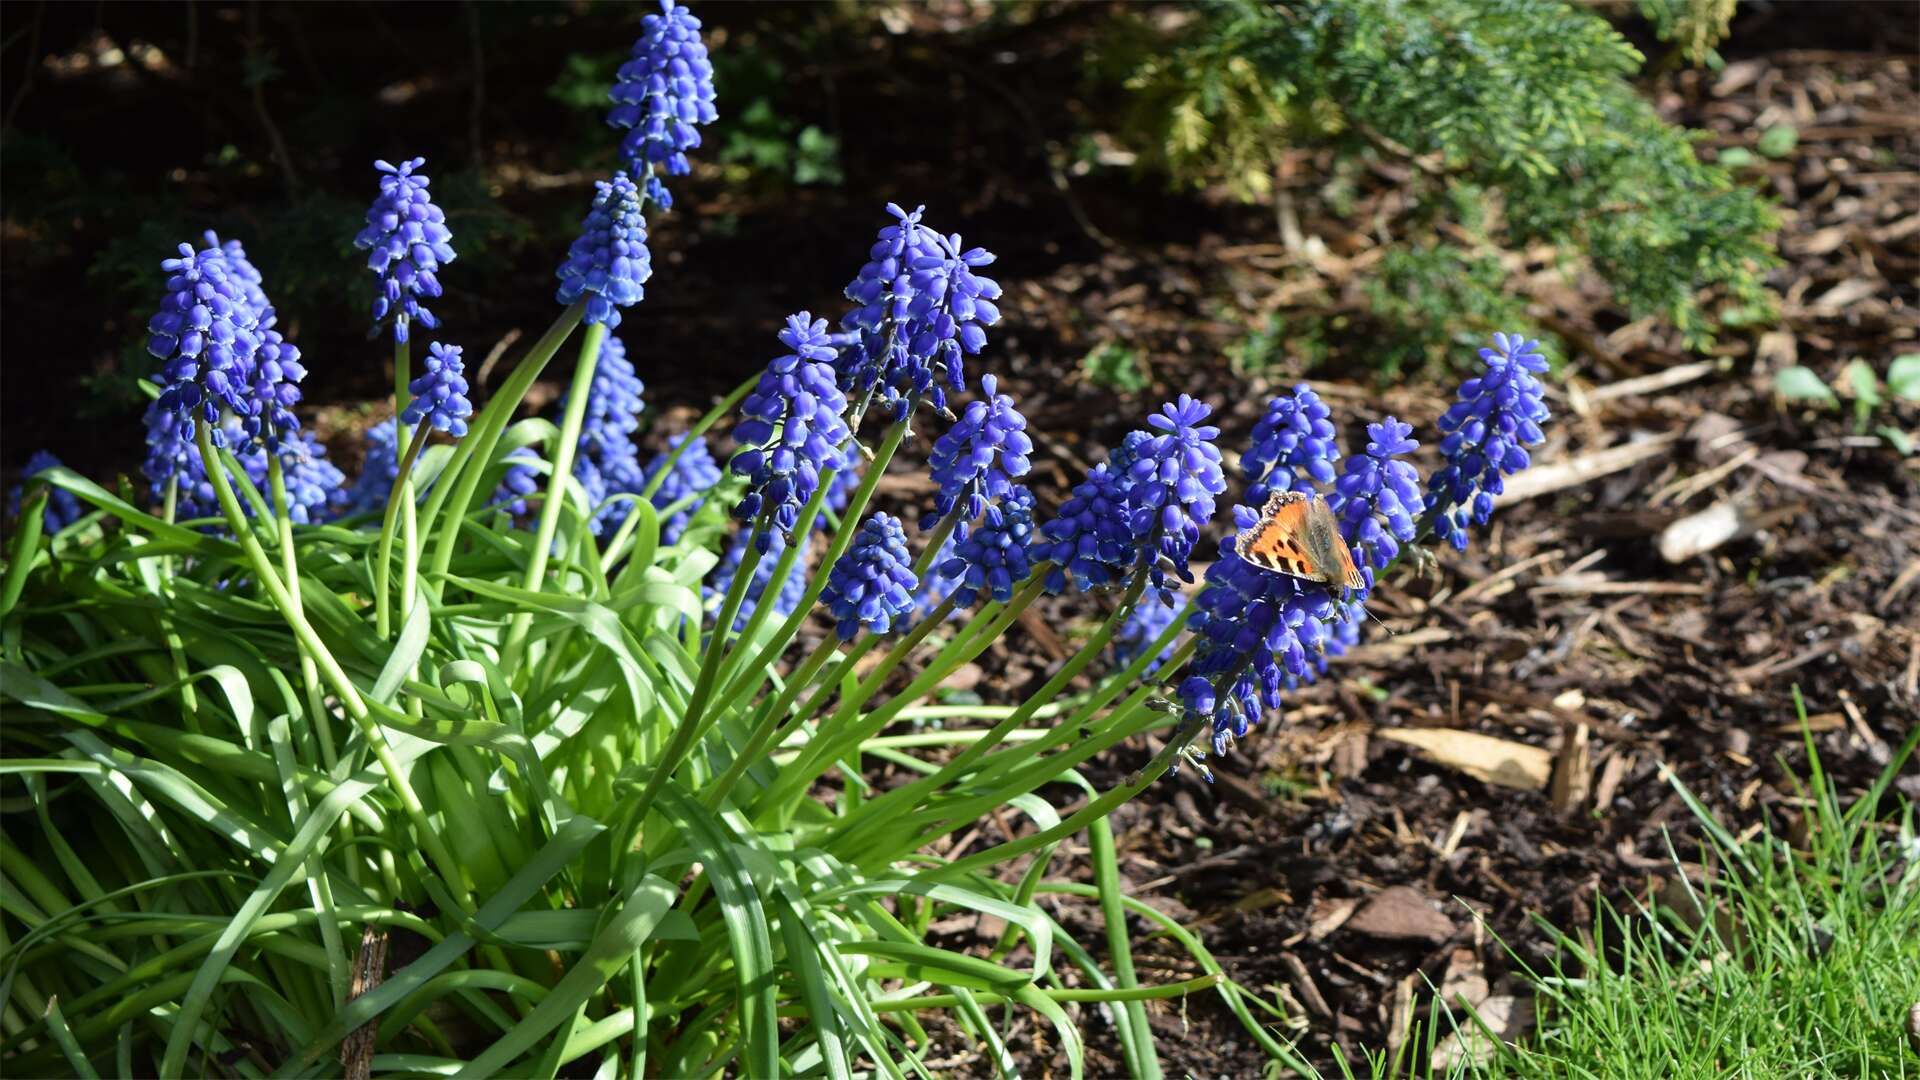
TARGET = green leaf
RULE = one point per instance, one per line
(1797, 383)
(1778, 141)
(1861, 382)
(1903, 376)
(550, 860)
(612, 949)
(1901, 442)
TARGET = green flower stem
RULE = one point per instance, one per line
(941, 531)
(176, 647)
(762, 737)
(819, 752)
(454, 490)
(1060, 680)
(309, 673)
(402, 492)
(690, 728)
(1029, 770)
(563, 454)
(403, 442)
(700, 428)
(802, 531)
(861, 647)
(968, 645)
(1093, 811)
(1101, 853)
(763, 660)
(1031, 589)
(336, 676)
(1069, 729)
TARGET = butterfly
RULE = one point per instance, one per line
(1298, 535)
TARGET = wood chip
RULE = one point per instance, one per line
(1500, 762)
(1304, 987)
(1401, 913)
(1572, 773)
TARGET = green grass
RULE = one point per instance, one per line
(1788, 957)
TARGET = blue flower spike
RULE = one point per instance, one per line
(663, 94)
(62, 508)
(439, 395)
(1292, 446)
(993, 558)
(1088, 541)
(980, 457)
(873, 584)
(206, 332)
(694, 474)
(794, 426)
(378, 469)
(609, 263)
(1173, 476)
(919, 310)
(407, 241)
(1498, 415)
(1378, 498)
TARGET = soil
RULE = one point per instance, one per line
(1329, 865)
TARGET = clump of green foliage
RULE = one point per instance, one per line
(1515, 122)
(1112, 365)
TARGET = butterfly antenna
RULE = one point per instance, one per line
(1391, 632)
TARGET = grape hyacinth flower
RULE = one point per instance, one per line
(407, 241)
(786, 598)
(994, 556)
(609, 261)
(872, 585)
(613, 405)
(439, 395)
(316, 488)
(656, 192)
(920, 308)
(979, 457)
(1292, 446)
(378, 470)
(1269, 631)
(1088, 541)
(1487, 430)
(62, 508)
(245, 276)
(1375, 485)
(694, 473)
(170, 455)
(1173, 478)
(275, 380)
(1142, 627)
(207, 332)
(663, 93)
(795, 425)
(518, 484)
(607, 463)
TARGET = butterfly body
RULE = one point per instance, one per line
(1298, 535)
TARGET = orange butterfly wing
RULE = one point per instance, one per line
(1274, 543)
(1348, 571)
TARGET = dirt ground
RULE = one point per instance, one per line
(1342, 860)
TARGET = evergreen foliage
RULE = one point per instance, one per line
(1516, 122)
